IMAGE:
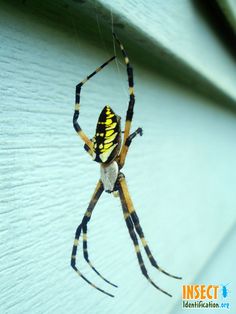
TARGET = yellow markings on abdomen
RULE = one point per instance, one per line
(112, 126)
(107, 146)
(108, 121)
(106, 153)
(109, 133)
(110, 116)
(110, 138)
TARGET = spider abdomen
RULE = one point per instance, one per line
(109, 174)
(107, 139)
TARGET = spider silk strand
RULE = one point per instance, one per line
(125, 90)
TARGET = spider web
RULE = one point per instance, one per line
(118, 62)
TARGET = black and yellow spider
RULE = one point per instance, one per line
(108, 149)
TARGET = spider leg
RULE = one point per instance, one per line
(129, 114)
(86, 256)
(127, 144)
(134, 238)
(87, 141)
(139, 230)
(97, 193)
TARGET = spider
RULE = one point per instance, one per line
(108, 149)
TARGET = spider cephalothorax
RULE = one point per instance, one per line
(107, 140)
(106, 148)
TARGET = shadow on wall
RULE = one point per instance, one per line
(213, 15)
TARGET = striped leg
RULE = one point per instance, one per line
(139, 230)
(127, 144)
(88, 143)
(129, 114)
(98, 191)
(85, 252)
(134, 238)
